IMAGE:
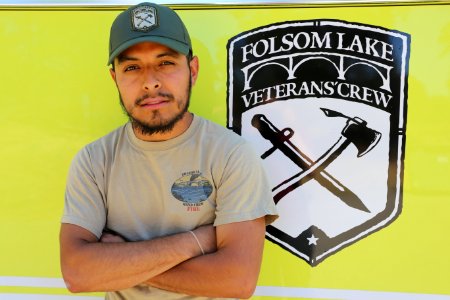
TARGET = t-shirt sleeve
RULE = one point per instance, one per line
(84, 203)
(244, 192)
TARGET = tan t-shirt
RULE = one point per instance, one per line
(142, 190)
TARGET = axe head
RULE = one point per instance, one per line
(363, 137)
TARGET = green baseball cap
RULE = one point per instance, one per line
(148, 22)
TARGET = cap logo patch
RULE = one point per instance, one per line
(144, 18)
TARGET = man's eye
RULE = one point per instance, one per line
(131, 68)
(166, 63)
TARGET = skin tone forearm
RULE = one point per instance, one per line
(232, 271)
(91, 265)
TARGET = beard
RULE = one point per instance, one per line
(164, 125)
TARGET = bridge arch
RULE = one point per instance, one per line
(301, 62)
(249, 78)
(385, 80)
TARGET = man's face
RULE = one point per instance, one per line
(154, 84)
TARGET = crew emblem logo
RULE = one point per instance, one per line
(144, 18)
(324, 104)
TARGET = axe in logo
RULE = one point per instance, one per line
(355, 132)
(146, 20)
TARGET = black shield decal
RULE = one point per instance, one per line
(324, 104)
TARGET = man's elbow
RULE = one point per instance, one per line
(246, 291)
(73, 287)
(75, 282)
(71, 283)
(240, 292)
(243, 286)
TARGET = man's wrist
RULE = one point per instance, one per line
(198, 242)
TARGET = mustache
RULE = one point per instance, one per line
(167, 96)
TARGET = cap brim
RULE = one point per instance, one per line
(172, 44)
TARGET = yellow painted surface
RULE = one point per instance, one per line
(56, 96)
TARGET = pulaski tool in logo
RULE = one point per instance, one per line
(324, 103)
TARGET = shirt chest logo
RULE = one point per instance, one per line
(192, 189)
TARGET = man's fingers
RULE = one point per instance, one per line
(111, 238)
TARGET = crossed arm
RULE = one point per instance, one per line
(230, 267)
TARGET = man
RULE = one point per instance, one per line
(169, 204)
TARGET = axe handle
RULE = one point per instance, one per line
(271, 133)
(312, 171)
(321, 176)
(315, 170)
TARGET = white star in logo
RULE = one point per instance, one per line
(312, 240)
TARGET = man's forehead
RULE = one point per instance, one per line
(145, 49)
(150, 47)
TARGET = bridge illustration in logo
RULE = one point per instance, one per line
(341, 62)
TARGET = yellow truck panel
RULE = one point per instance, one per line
(57, 96)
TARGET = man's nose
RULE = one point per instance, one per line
(151, 81)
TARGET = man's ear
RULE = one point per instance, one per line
(113, 74)
(194, 66)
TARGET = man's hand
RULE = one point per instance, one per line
(111, 237)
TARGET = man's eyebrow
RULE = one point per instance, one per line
(170, 53)
(122, 58)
